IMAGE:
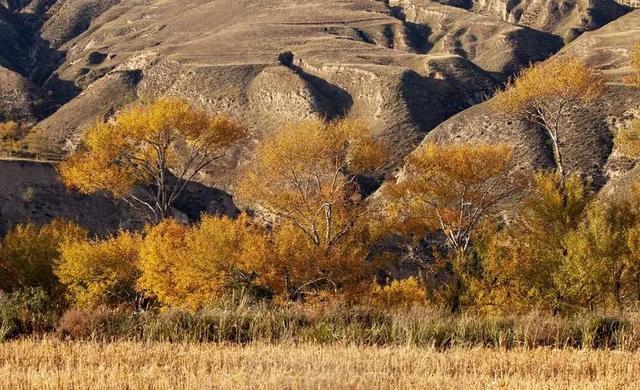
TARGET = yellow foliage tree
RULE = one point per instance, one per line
(452, 189)
(11, 131)
(193, 267)
(101, 272)
(28, 254)
(628, 139)
(632, 276)
(521, 263)
(145, 146)
(545, 94)
(306, 176)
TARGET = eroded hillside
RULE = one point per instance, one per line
(404, 66)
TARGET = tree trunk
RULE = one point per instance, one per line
(557, 157)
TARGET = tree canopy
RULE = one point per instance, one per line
(306, 176)
(160, 146)
(546, 93)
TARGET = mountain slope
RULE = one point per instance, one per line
(588, 138)
(409, 68)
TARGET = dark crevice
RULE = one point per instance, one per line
(364, 36)
(417, 35)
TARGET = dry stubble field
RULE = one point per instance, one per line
(57, 365)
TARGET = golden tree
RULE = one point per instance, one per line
(101, 272)
(452, 189)
(28, 254)
(11, 131)
(628, 139)
(162, 145)
(306, 176)
(193, 267)
(546, 93)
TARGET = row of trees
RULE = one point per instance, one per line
(482, 232)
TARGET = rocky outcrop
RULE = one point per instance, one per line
(20, 99)
(566, 18)
(31, 192)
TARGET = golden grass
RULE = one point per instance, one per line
(51, 364)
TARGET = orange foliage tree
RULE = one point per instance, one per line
(452, 189)
(545, 94)
(145, 146)
(191, 267)
(306, 177)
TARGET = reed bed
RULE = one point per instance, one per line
(420, 327)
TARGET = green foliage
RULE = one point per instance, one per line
(27, 311)
(598, 256)
(521, 262)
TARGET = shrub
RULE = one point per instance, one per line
(193, 267)
(26, 311)
(101, 323)
(360, 325)
(400, 293)
(101, 272)
(28, 254)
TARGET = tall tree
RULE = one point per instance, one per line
(545, 94)
(521, 262)
(599, 256)
(452, 189)
(306, 177)
(162, 146)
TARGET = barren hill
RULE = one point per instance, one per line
(588, 138)
(405, 66)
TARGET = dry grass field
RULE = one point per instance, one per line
(53, 364)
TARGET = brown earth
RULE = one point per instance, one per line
(404, 66)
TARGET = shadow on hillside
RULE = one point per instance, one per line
(332, 101)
